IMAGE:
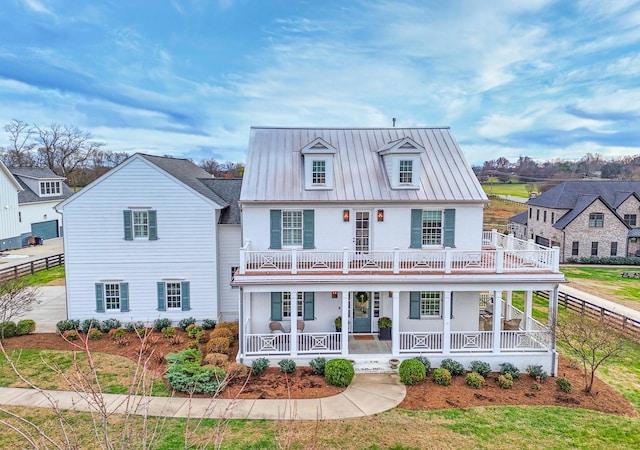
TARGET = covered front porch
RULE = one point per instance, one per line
(459, 324)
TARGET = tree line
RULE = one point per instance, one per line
(73, 153)
(549, 173)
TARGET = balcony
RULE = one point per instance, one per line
(500, 254)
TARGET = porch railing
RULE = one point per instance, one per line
(319, 343)
(514, 256)
(280, 343)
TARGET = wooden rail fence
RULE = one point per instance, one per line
(31, 267)
(622, 323)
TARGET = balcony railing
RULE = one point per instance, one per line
(507, 254)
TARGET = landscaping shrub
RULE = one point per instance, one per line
(195, 379)
(133, 326)
(94, 334)
(25, 327)
(176, 339)
(442, 377)
(218, 345)
(208, 324)
(536, 372)
(8, 329)
(69, 324)
(287, 365)
(508, 368)
(196, 332)
(71, 335)
(231, 326)
(185, 356)
(259, 366)
(168, 332)
(222, 332)
(339, 372)
(454, 367)
(505, 381)
(608, 260)
(117, 333)
(216, 359)
(90, 324)
(161, 323)
(563, 384)
(317, 365)
(237, 370)
(425, 362)
(142, 332)
(184, 323)
(412, 371)
(474, 380)
(193, 345)
(108, 325)
(481, 368)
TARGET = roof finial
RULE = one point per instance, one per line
(394, 122)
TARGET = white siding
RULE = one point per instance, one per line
(332, 233)
(229, 242)
(38, 212)
(9, 226)
(96, 250)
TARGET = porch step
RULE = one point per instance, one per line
(373, 366)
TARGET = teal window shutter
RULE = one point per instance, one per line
(309, 306)
(99, 297)
(307, 228)
(124, 297)
(276, 229)
(153, 225)
(414, 305)
(128, 228)
(416, 228)
(185, 301)
(162, 301)
(276, 306)
(449, 228)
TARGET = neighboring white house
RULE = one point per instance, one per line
(358, 224)
(151, 238)
(41, 191)
(9, 215)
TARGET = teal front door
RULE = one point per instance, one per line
(361, 312)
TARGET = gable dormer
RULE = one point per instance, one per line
(402, 162)
(318, 164)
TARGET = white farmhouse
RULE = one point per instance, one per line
(347, 226)
(9, 214)
(154, 237)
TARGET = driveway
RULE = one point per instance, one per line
(51, 310)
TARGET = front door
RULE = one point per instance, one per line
(363, 231)
(361, 302)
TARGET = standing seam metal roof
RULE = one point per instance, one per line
(275, 167)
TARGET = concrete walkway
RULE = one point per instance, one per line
(368, 394)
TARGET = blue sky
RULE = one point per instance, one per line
(542, 78)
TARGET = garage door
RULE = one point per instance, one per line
(45, 230)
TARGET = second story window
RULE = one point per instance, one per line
(319, 172)
(431, 227)
(406, 172)
(50, 188)
(291, 228)
(630, 219)
(140, 224)
(596, 220)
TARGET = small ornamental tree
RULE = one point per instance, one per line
(592, 342)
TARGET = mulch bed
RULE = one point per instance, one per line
(426, 396)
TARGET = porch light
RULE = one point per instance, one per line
(334, 294)
(345, 215)
(380, 215)
(390, 294)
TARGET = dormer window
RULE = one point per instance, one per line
(406, 172)
(319, 173)
(318, 164)
(50, 188)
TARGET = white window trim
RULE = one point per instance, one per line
(166, 295)
(282, 228)
(133, 224)
(55, 187)
(441, 211)
(106, 297)
(328, 172)
(440, 307)
(286, 299)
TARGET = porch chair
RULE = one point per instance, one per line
(300, 326)
(511, 324)
(276, 327)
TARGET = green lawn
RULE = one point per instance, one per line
(514, 189)
(45, 276)
(604, 281)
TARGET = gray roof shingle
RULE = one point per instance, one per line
(27, 195)
(520, 218)
(566, 194)
(229, 190)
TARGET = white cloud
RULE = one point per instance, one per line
(38, 6)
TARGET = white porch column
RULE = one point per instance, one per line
(395, 324)
(553, 319)
(293, 345)
(446, 323)
(497, 320)
(344, 336)
(528, 309)
(507, 313)
(243, 325)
